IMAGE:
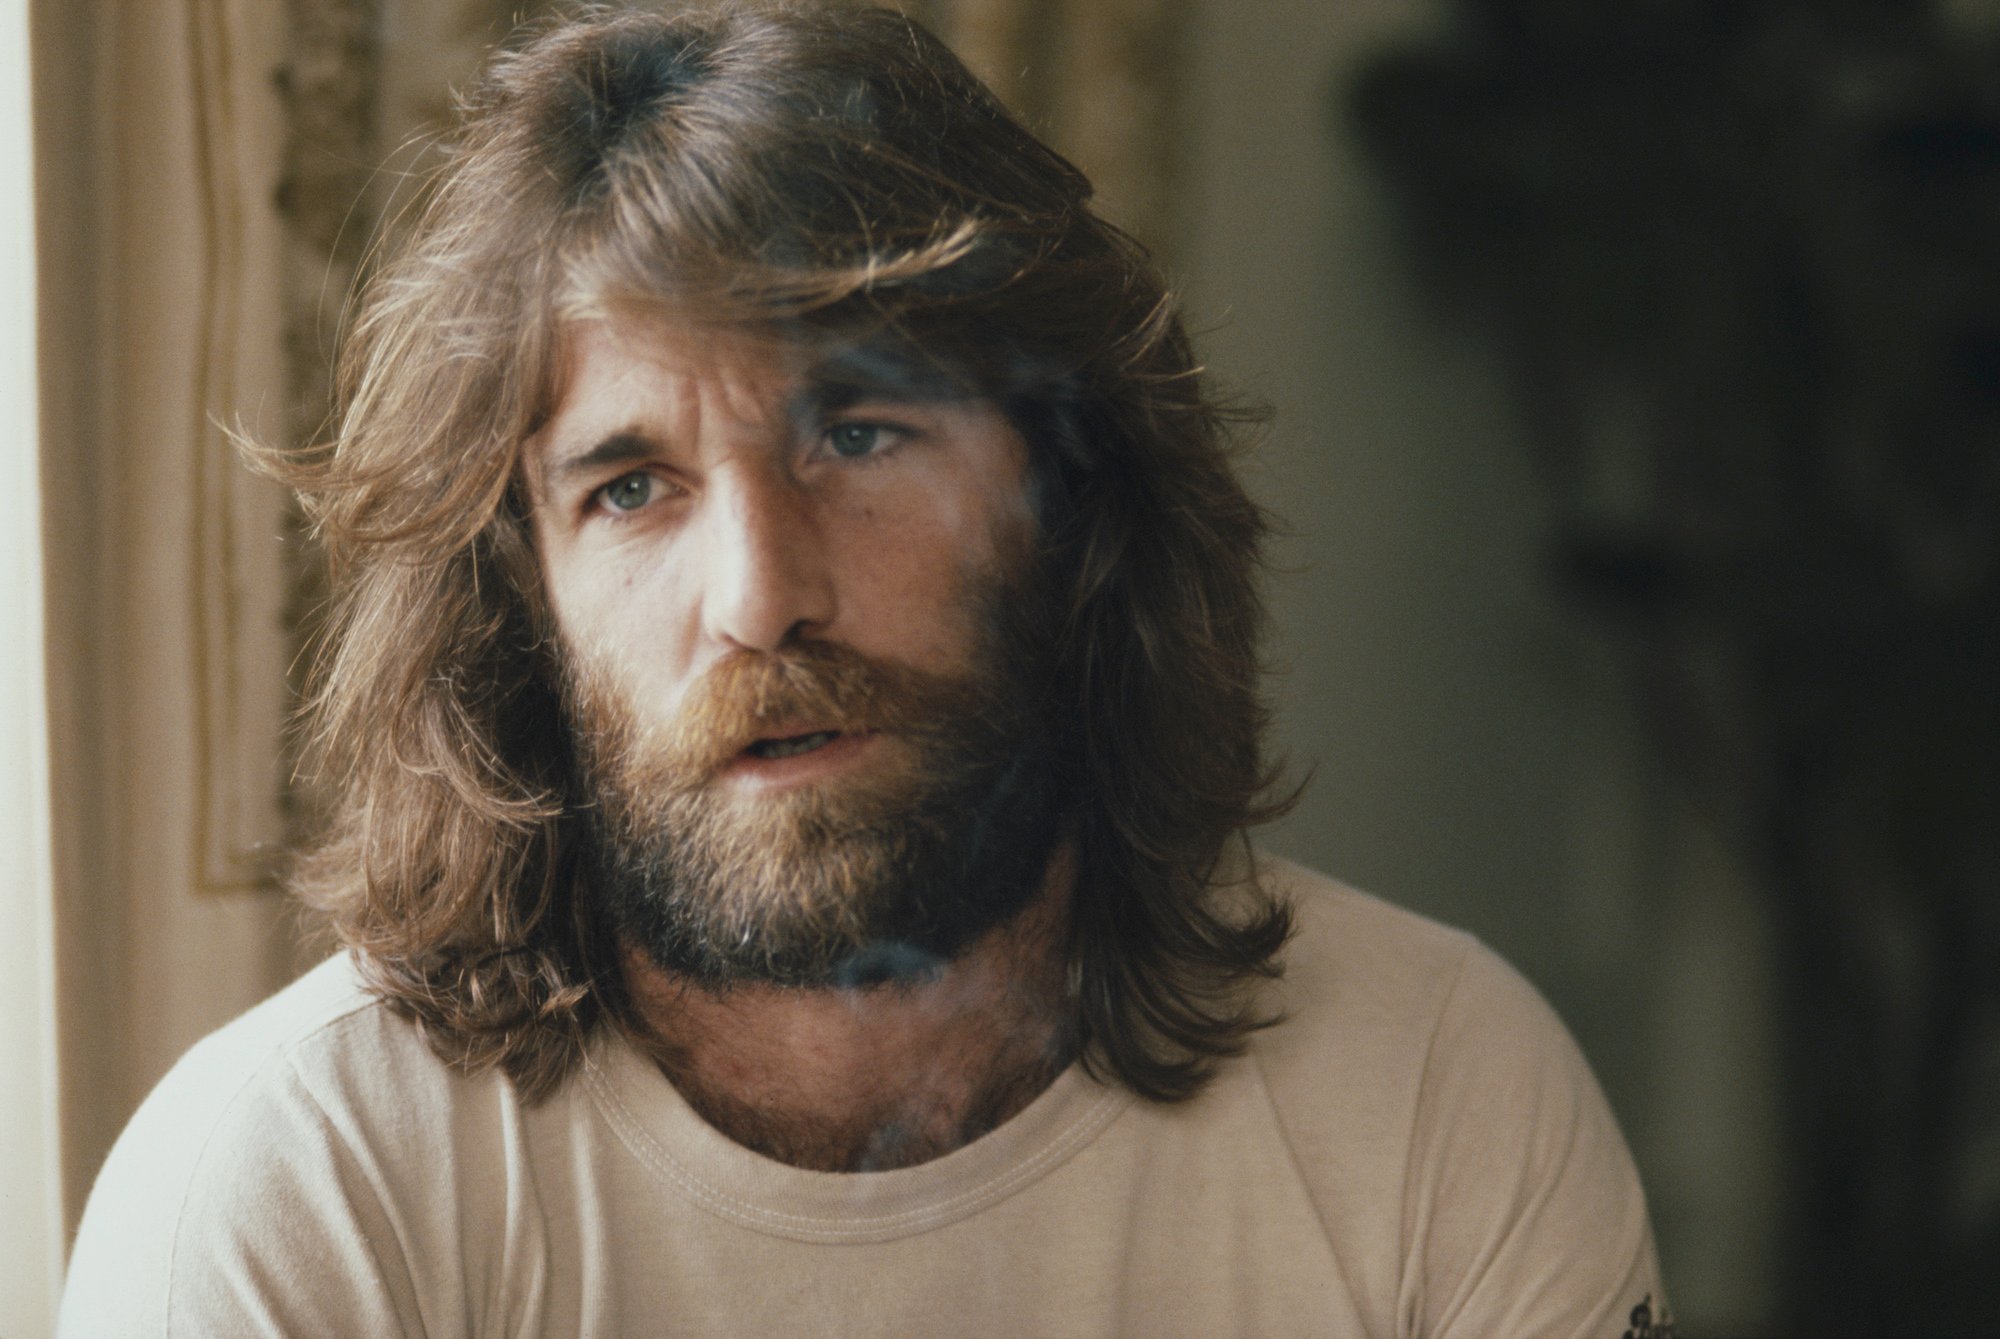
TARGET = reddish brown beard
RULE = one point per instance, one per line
(886, 874)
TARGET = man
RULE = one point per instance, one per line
(791, 704)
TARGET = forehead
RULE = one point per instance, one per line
(746, 366)
(613, 365)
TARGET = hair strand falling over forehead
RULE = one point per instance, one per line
(830, 175)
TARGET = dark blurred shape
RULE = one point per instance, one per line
(1618, 573)
(1742, 261)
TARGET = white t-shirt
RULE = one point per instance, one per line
(1417, 1150)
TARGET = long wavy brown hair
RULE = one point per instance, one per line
(834, 174)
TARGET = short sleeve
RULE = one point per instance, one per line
(1523, 1213)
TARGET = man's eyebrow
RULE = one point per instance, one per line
(821, 396)
(627, 444)
(847, 375)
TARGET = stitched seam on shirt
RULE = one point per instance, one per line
(282, 1053)
(967, 1202)
(1291, 1150)
(1416, 1115)
(343, 1149)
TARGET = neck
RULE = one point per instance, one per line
(876, 1077)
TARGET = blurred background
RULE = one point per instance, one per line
(1635, 379)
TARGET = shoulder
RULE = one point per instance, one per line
(1354, 948)
(1383, 985)
(1367, 989)
(316, 1020)
(256, 1143)
(323, 1037)
(1429, 1091)
(237, 1080)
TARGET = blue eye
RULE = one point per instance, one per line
(848, 440)
(628, 492)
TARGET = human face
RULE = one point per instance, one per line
(834, 770)
(700, 494)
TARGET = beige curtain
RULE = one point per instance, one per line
(157, 137)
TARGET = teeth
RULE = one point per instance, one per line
(791, 748)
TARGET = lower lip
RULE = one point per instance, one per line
(837, 755)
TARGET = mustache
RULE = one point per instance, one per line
(749, 696)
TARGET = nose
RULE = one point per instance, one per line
(767, 575)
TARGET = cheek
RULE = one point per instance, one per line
(626, 617)
(907, 593)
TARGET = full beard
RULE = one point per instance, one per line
(885, 874)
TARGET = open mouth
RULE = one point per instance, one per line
(792, 746)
